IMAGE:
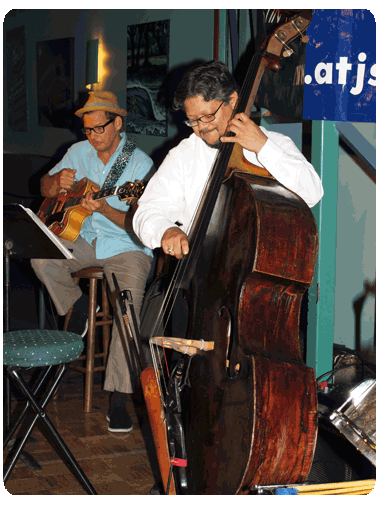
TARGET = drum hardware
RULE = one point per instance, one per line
(356, 418)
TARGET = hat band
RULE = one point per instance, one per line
(101, 104)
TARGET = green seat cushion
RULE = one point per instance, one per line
(40, 347)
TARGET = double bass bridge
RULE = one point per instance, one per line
(188, 347)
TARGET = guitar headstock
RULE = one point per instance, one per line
(131, 191)
(276, 44)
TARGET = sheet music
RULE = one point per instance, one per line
(48, 233)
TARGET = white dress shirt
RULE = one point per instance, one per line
(173, 192)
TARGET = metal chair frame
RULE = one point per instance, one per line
(40, 414)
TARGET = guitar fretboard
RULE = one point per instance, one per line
(75, 201)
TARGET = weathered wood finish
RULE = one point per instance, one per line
(250, 414)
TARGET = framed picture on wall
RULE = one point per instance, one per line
(16, 80)
(147, 67)
(55, 83)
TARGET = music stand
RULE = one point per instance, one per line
(25, 236)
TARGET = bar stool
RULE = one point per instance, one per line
(102, 318)
(43, 349)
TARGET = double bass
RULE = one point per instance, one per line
(239, 409)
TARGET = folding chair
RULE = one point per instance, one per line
(33, 348)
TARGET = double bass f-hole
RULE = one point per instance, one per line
(226, 336)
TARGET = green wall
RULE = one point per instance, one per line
(355, 250)
(186, 45)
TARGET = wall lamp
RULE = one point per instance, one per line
(92, 63)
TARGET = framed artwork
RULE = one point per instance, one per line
(147, 67)
(55, 83)
(16, 80)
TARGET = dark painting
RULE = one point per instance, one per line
(16, 83)
(147, 66)
(55, 83)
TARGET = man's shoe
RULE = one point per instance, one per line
(119, 420)
(117, 416)
(156, 490)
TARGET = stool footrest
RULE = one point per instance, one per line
(83, 358)
(82, 369)
(103, 322)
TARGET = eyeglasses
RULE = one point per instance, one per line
(99, 129)
(207, 118)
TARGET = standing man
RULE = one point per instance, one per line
(107, 158)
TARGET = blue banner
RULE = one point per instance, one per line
(340, 69)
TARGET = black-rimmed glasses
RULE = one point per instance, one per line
(207, 118)
(99, 129)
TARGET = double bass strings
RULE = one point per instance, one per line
(199, 222)
(197, 227)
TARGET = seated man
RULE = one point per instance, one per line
(106, 239)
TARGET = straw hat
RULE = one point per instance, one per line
(101, 101)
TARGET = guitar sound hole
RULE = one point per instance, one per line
(56, 217)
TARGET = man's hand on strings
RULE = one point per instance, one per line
(174, 242)
(247, 133)
(100, 205)
(65, 178)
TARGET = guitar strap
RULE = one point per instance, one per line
(119, 165)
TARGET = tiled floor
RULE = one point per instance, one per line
(115, 464)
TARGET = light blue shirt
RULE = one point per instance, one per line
(111, 239)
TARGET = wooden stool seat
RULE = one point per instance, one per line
(95, 319)
(92, 272)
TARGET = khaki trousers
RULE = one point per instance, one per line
(131, 270)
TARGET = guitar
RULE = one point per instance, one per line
(64, 215)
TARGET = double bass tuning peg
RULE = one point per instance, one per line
(288, 51)
(280, 35)
(304, 37)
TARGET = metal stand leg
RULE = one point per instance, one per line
(41, 414)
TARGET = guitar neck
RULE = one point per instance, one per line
(101, 194)
(108, 192)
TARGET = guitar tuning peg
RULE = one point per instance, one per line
(305, 39)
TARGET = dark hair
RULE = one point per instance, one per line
(211, 80)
